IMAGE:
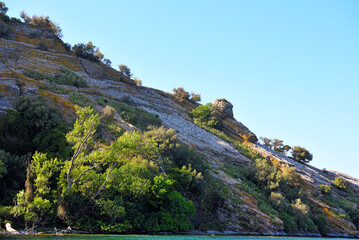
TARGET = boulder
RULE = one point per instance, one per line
(224, 107)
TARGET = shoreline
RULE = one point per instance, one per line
(191, 233)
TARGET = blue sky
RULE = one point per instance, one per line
(290, 68)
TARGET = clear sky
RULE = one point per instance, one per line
(290, 68)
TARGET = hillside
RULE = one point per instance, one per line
(249, 188)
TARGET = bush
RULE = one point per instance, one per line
(88, 51)
(181, 94)
(65, 76)
(80, 99)
(68, 77)
(125, 70)
(107, 62)
(203, 113)
(300, 154)
(325, 188)
(37, 75)
(42, 21)
(55, 89)
(195, 97)
(340, 183)
(137, 81)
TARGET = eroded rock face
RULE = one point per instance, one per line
(223, 107)
(224, 110)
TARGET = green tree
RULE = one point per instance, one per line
(81, 137)
(300, 154)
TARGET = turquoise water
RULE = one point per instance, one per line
(154, 237)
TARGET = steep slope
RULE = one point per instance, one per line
(241, 213)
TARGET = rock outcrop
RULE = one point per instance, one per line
(19, 53)
(224, 111)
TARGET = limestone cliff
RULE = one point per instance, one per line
(19, 53)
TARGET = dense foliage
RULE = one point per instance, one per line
(204, 115)
(136, 183)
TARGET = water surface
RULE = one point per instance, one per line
(153, 237)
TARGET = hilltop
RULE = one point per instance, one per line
(176, 171)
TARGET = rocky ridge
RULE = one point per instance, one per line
(20, 53)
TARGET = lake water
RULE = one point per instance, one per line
(154, 237)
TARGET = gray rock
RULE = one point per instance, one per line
(223, 107)
(30, 91)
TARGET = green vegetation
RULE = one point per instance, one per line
(136, 116)
(325, 188)
(275, 144)
(43, 22)
(277, 192)
(113, 188)
(340, 183)
(300, 154)
(88, 51)
(184, 96)
(137, 81)
(65, 76)
(125, 70)
(55, 89)
(20, 126)
(80, 99)
(205, 116)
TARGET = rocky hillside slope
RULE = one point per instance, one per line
(241, 213)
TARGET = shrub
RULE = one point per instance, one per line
(300, 154)
(107, 62)
(42, 47)
(37, 75)
(87, 51)
(203, 113)
(65, 76)
(181, 94)
(195, 97)
(68, 77)
(125, 70)
(42, 21)
(325, 188)
(55, 89)
(137, 81)
(340, 183)
(80, 99)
